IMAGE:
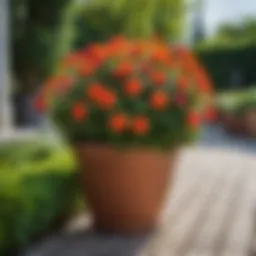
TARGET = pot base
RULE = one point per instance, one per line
(127, 229)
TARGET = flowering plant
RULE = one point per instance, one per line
(128, 92)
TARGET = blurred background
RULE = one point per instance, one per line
(37, 178)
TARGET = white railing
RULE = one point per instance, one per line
(7, 130)
(5, 108)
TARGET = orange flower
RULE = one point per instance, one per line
(107, 99)
(58, 84)
(133, 87)
(138, 49)
(123, 69)
(117, 123)
(97, 53)
(187, 59)
(94, 91)
(140, 125)
(183, 83)
(102, 96)
(162, 55)
(117, 43)
(86, 68)
(159, 100)
(79, 112)
(203, 81)
(158, 78)
(193, 119)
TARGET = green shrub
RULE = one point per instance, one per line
(237, 102)
(37, 187)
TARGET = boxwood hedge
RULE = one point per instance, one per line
(37, 188)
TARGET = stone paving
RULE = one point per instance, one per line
(209, 212)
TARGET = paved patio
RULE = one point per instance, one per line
(209, 212)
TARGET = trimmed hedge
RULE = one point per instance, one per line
(220, 63)
(237, 102)
(37, 189)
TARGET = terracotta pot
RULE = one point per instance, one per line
(124, 188)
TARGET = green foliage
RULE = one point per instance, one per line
(237, 102)
(233, 35)
(47, 29)
(222, 61)
(230, 49)
(102, 19)
(38, 39)
(37, 189)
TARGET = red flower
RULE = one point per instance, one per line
(159, 100)
(203, 82)
(94, 91)
(79, 112)
(193, 119)
(102, 96)
(133, 87)
(107, 99)
(117, 123)
(158, 78)
(140, 125)
(117, 43)
(86, 68)
(162, 55)
(97, 53)
(123, 69)
(183, 83)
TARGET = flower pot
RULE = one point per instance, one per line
(124, 188)
(120, 92)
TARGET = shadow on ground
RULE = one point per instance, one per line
(89, 243)
(215, 136)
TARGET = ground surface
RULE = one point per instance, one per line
(210, 210)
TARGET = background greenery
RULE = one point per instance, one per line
(49, 28)
(223, 61)
(38, 40)
(141, 18)
(231, 49)
(237, 102)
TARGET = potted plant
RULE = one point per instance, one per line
(127, 106)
